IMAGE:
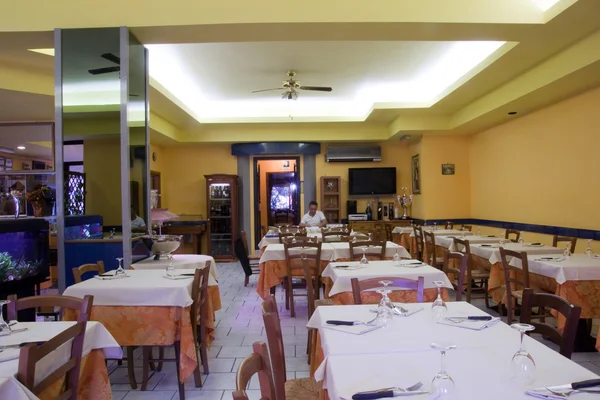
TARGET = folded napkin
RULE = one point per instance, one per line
(411, 310)
(550, 258)
(353, 329)
(472, 325)
(272, 235)
(8, 354)
(176, 277)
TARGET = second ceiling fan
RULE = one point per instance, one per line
(291, 87)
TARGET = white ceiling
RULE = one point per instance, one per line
(12, 136)
(214, 81)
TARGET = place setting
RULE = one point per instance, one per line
(119, 273)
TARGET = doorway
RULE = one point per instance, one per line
(155, 185)
(276, 193)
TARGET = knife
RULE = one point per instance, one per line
(572, 386)
(473, 318)
(380, 394)
(107, 274)
(347, 323)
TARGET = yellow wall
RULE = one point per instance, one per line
(541, 168)
(392, 155)
(102, 163)
(18, 160)
(269, 166)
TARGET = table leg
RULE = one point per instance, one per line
(583, 339)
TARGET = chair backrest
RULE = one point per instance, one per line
(275, 341)
(373, 249)
(571, 312)
(81, 306)
(335, 235)
(429, 239)
(285, 235)
(462, 245)
(299, 239)
(468, 228)
(374, 283)
(295, 252)
(418, 230)
(256, 363)
(388, 232)
(516, 233)
(85, 268)
(199, 309)
(242, 254)
(449, 225)
(459, 269)
(31, 354)
(515, 278)
(565, 239)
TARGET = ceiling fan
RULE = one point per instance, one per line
(112, 58)
(291, 87)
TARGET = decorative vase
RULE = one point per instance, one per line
(39, 207)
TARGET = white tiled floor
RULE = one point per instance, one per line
(239, 324)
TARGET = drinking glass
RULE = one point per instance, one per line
(442, 384)
(364, 261)
(294, 238)
(567, 252)
(435, 226)
(396, 258)
(3, 325)
(521, 240)
(522, 366)
(170, 268)
(385, 308)
(478, 232)
(439, 307)
(120, 271)
(588, 249)
(354, 239)
(370, 236)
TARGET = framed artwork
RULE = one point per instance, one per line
(416, 174)
(448, 169)
(26, 167)
(2, 161)
(9, 162)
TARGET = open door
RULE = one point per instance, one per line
(257, 216)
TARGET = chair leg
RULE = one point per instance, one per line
(145, 365)
(291, 298)
(486, 294)
(177, 362)
(161, 355)
(130, 370)
(246, 280)
(197, 376)
(308, 343)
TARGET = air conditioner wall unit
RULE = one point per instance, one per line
(353, 153)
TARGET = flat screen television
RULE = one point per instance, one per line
(372, 181)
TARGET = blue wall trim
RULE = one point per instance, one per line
(252, 149)
(544, 229)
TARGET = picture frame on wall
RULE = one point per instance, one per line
(416, 174)
(26, 167)
(448, 169)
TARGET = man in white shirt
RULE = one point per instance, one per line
(137, 223)
(313, 217)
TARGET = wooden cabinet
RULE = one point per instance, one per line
(223, 217)
(331, 201)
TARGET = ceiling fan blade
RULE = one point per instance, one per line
(112, 58)
(106, 70)
(266, 90)
(316, 88)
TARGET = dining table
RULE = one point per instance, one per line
(349, 360)
(337, 277)
(145, 308)
(98, 346)
(273, 265)
(447, 242)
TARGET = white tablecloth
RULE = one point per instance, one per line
(400, 355)
(445, 232)
(341, 277)
(341, 250)
(182, 261)
(492, 252)
(96, 337)
(448, 241)
(402, 229)
(141, 288)
(578, 267)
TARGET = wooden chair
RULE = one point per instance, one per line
(566, 340)
(459, 273)
(31, 354)
(335, 236)
(257, 363)
(449, 225)
(284, 236)
(565, 239)
(516, 233)
(295, 256)
(519, 277)
(373, 283)
(430, 247)
(85, 268)
(467, 228)
(373, 249)
(82, 306)
(473, 274)
(295, 389)
(388, 232)
(418, 231)
(253, 259)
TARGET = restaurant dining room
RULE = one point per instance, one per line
(230, 201)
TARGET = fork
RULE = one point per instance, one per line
(566, 394)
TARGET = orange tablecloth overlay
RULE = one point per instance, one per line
(149, 326)
(404, 240)
(272, 273)
(93, 380)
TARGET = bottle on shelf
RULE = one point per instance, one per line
(369, 212)
(379, 211)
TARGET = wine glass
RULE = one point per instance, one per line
(478, 231)
(567, 252)
(370, 236)
(294, 238)
(521, 240)
(170, 268)
(522, 366)
(588, 249)
(439, 307)
(442, 384)
(364, 261)
(396, 258)
(120, 271)
(354, 239)
(3, 325)
(435, 226)
(384, 310)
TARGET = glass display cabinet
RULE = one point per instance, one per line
(222, 209)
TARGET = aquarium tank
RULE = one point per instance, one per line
(24, 251)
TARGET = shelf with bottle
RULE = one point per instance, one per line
(220, 191)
